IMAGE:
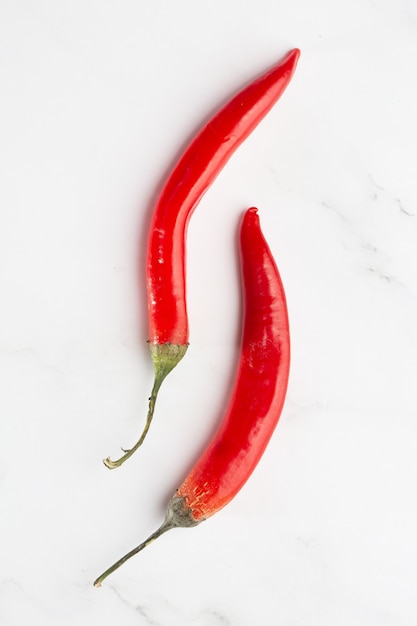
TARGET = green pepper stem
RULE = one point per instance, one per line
(178, 515)
(165, 357)
(161, 530)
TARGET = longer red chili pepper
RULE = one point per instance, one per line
(196, 170)
(257, 398)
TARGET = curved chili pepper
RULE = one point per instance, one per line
(257, 398)
(196, 170)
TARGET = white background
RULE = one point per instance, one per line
(98, 99)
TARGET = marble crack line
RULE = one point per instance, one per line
(366, 246)
(389, 196)
(403, 209)
(387, 278)
(221, 619)
(12, 586)
(135, 607)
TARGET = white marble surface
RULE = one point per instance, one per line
(97, 100)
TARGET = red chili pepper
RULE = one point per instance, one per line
(196, 170)
(256, 401)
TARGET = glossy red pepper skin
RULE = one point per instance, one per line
(195, 171)
(256, 401)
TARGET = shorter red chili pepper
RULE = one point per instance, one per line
(257, 398)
